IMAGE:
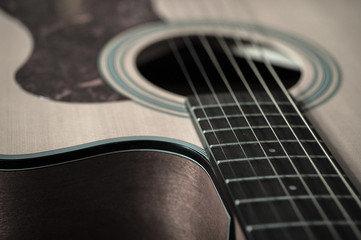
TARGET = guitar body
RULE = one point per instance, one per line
(87, 160)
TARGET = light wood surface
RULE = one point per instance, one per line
(29, 124)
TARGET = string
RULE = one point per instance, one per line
(284, 90)
(222, 75)
(277, 78)
(186, 73)
(305, 124)
(242, 78)
(296, 209)
(258, 75)
(318, 207)
(191, 48)
(288, 156)
(206, 78)
(239, 72)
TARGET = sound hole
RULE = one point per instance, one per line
(158, 64)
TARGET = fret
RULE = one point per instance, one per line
(281, 164)
(220, 122)
(265, 127)
(261, 142)
(287, 198)
(272, 157)
(251, 188)
(221, 116)
(233, 104)
(231, 109)
(224, 98)
(248, 135)
(258, 227)
(272, 148)
(320, 232)
(256, 178)
(304, 203)
(262, 209)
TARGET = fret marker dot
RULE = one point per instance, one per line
(292, 187)
(249, 228)
(272, 150)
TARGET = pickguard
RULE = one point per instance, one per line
(67, 40)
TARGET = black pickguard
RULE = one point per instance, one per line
(68, 36)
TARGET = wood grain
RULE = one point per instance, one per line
(134, 195)
(33, 125)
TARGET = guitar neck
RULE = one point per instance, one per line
(280, 178)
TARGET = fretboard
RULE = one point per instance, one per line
(281, 179)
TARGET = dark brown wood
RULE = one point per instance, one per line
(134, 195)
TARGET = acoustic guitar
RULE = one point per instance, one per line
(165, 119)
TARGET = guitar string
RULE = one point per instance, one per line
(299, 175)
(188, 78)
(278, 108)
(190, 82)
(299, 215)
(279, 82)
(296, 136)
(277, 78)
(296, 169)
(345, 214)
(214, 94)
(283, 186)
(186, 74)
(228, 86)
(191, 48)
(239, 72)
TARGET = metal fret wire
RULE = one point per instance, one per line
(260, 78)
(254, 127)
(282, 198)
(243, 179)
(205, 75)
(240, 74)
(199, 102)
(193, 52)
(225, 80)
(344, 213)
(274, 74)
(189, 80)
(284, 90)
(185, 72)
(251, 115)
(244, 103)
(270, 157)
(261, 141)
(337, 202)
